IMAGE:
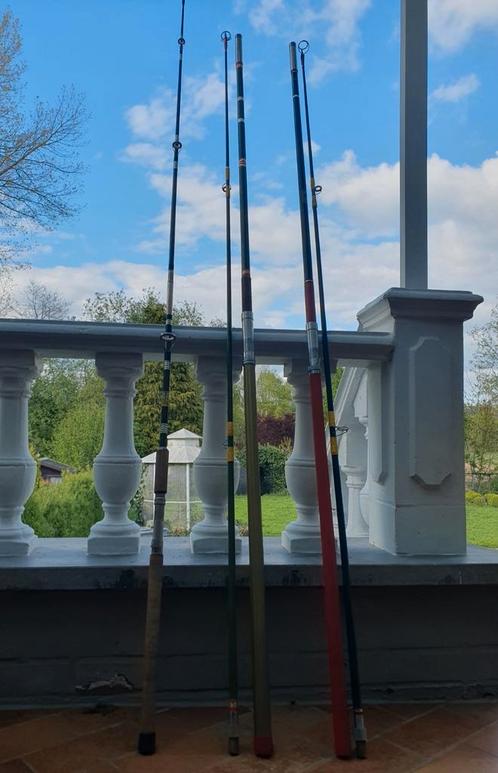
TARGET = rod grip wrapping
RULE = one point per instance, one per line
(161, 471)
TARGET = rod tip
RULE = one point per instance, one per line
(233, 746)
(263, 746)
(146, 743)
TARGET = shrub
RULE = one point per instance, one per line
(65, 509)
(474, 498)
(492, 499)
(272, 461)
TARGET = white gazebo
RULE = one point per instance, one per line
(183, 506)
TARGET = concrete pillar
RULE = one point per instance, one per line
(413, 144)
(303, 534)
(117, 468)
(17, 466)
(415, 422)
(210, 467)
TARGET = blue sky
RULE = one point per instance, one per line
(122, 54)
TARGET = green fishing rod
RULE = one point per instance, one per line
(358, 720)
(233, 689)
(332, 608)
(263, 742)
(147, 734)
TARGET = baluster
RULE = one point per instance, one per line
(210, 468)
(303, 534)
(117, 468)
(353, 459)
(17, 466)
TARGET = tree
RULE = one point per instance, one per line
(61, 385)
(185, 402)
(78, 438)
(485, 361)
(274, 394)
(38, 302)
(39, 164)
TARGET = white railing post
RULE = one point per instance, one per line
(210, 468)
(303, 534)
(117, 468)
(355, 461)
(17, 466)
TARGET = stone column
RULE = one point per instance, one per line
(210, 468)
(17, 466)
(117, 468)
(415, 422)
(303, 534)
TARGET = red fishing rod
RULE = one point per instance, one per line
(354, 677)
(340, 713)
(263, 742)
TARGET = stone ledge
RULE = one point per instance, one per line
(64, 564)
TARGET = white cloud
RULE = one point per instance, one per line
(456, 91)
(453, 22)
(146, 154)
(155, 120)
(336, 21)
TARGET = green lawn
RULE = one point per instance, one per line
(482, 525)
(278, 510)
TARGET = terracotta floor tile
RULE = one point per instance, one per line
(8, 718)
(463, 759)
(431, 733)
(409, 710)
(15, 766)
(383, 757)
(87, 751)
(25, 737)
(474, 715)
(486, 739)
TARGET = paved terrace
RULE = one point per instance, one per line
(451, 738)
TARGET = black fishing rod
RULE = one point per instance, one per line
(333, 626)
(233, 689)
(147, 735)
(358, 720)
(263, 742)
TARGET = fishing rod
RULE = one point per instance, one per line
(233, 697)
(333, 626)
(147, 734)
(358, 720)
(263, 742)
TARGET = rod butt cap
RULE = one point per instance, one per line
(233, 746)
(263, 746)
(146, 743)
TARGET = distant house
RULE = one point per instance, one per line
(51, 471)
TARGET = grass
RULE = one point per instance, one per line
(482, 525)
(278, 510)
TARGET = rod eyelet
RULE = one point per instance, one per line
(303, 46)
(226, 35)
(177, 145)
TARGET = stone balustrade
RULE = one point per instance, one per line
(400, 401)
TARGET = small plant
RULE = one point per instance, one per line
(474, 498)
(492, 499)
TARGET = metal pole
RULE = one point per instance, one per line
(358, 721)
(147, 734)
(333, 626)
(263, 742)
(233, 688)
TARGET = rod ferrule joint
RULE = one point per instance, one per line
(313, 347)
(248, 337)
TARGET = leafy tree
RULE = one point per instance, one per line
(485, 361)
(61, 384)
(39, 164)
(273, 394)
(78, 438)
(481, 440)
(186, 408)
